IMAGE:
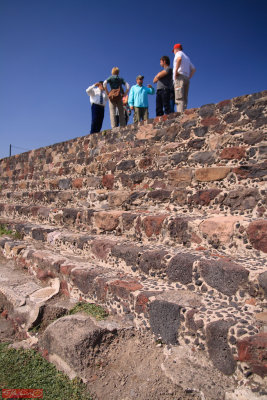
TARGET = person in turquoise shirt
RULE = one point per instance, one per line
(138, 99)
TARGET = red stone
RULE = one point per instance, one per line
(43, 274)
(64, 288)
(77, 183)
(210, 121)
(145, 163)
(233, 153)
(253, 350)
(101, 248)
(223, 103)
(4, 314)
(66, 269)
(124, 288)
(153, 225)
(108, 181)
(257, 233)
(141, 303)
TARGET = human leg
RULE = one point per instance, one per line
(159, 103)
(166, 101)
(121, 113)
(181, 86)
(136, 114)
(97, 118)
(144, 113)
(186, 90)
(112, 113)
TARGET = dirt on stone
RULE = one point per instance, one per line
(130, 368)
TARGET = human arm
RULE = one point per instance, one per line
(160, 75)
(90, 90)
(177, 66)
(150, 89)
(192, 71)
(127, 86)
(131, 98)
(105, 85)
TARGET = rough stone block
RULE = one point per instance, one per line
(218, 348)
(152, 261)
(84, 278)
(128, 252)
(178, 229)
(204, 157)
(180, 268)
(253, 350)
(257, 233)
(242, 199)
(211, 174)
(181, 175)
(233, 153)
(108, 221)
(164, 318)
(204, 197)
(124, 288)
(153, 224)
(225, 276)
(263, 282)
(159, 195)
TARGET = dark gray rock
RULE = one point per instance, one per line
(207, 110)
(84, 278)
(204, 157)
(179, 157)
(152, 261)
(196, 143)
(128, 253)
(252, 138)
(74, 340)
(180, 268)
(242, 199)
(164, 320)
(201, 131)
(160, 195)
(218, 348)
(64, 184)
(70, 215)
(126, 165)
(263, 282)
(225, 276)
(178, 229)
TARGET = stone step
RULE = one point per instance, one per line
(197, 269)
(244, 200)
(166, 175)
(211, 322)
(234, 234)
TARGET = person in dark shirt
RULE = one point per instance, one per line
(164, 86)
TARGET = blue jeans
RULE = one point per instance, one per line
(97, 117)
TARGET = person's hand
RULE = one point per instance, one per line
(149, 86)
(96, 84)
(131, 108)
(155, 80)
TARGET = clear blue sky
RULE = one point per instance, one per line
(52, 50)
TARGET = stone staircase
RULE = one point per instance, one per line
(163, 223)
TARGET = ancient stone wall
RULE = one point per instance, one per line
(163, 222)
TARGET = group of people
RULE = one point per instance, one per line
(172, 88)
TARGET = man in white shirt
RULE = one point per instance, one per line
(183, 70)
(98, 99)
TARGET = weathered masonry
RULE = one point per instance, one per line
(163, 222)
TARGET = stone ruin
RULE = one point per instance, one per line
(163, 223)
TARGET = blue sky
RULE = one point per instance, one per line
(52, 50)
